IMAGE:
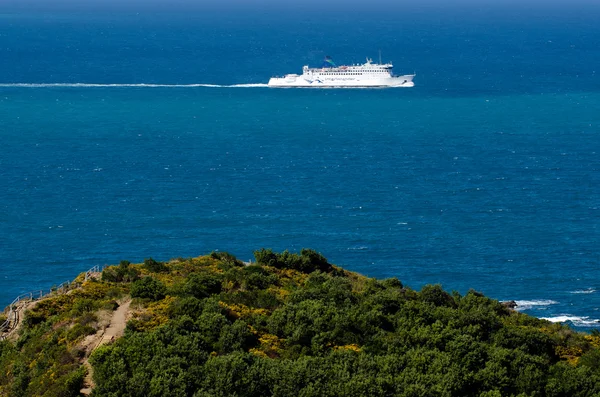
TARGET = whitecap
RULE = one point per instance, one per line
(584, 291)
(583, 321)
(528, 304)
(247, 85)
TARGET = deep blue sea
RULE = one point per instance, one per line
(485, 175)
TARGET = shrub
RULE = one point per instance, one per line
(392, 283)
(111, 305)
(79, 330)
(127, 273)
(109, 274)
(436, 295)
(33, 318)
(121, 273)
(307, 262)
(148, 288)
(266, 257)
(202, 285)
(226, 258)
(155, 266)
(87, 318)
(591, 359)
(114, 293)
(189, 306)
(236, 337)
(82, 306)
(257, 278)
(314, 261)
(67, 385)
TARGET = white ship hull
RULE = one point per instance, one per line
(330, 75)
(301, 81)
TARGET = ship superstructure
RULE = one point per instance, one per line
(329, 74)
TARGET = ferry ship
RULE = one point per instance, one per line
(329, 74)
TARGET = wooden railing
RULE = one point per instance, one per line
(12, 311)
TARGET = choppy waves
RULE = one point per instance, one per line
(584, 291)
(530, 304)
(534, 307)
(584, 321)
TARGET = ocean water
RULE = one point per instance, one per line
(485, 175)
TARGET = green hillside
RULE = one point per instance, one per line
(288, 325)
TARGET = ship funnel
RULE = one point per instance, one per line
(328, 63)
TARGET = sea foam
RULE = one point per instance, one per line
(584, 291)
(578, 321)
(140, 85)
(529, 304)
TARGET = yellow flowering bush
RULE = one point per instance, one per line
(242, 311)
(352, 347)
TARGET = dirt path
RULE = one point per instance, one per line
(112, 331)
(13, 333)
(116, 328)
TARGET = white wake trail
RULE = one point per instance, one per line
(140, 85)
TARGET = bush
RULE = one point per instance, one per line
(189, 306)
(226, 258)
(33, 318)
(392, 283)
(591, 359)
(67, 385)
(236, 337)
(314, 261)
(202, 285)
(155, 266)
(79, 330)
(121, 273)
(307, 262)
(111, 305)
(148, 288)
(266, 257)
(82, 306)
(114, 293)
(257, 278)
(87, 318)
(109, 274)
(436, 295)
